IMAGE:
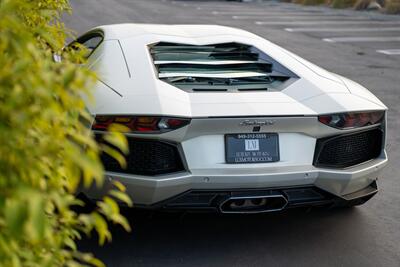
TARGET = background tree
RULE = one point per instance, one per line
(392, 6)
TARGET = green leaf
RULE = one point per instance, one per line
(120, 186)
(37, 219)
(70, 243)
(118, 140)
(16, 214)
(115, 154)
(101, 228)
(121, 196)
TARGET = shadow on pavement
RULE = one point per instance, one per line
(198, 239)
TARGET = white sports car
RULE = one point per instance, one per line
(222, 119)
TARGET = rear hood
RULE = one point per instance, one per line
(171, 101)
(139, 91)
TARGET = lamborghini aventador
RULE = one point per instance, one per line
(221, 119)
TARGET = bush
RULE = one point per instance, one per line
(343, 3)
(46, 149)
(313, 2)
(392, 7)
(362, 4)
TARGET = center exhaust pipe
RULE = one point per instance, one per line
(253, 204)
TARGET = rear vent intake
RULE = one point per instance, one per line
(348, 150)
(146, 157)
(217, 67)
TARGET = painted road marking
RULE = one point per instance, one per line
(327, 22)
(233, 7)
(361, 39)
(261, 13)
(389, 51)
(300, 17)
(384, 29)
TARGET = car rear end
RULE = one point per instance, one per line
(207, 163)
(251, 141)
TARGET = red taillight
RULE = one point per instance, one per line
(140, 124)
(174, 122)
(101, 123)
(326, 119)
(145, 124)
(352, 119)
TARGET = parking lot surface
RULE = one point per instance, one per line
(363, 46)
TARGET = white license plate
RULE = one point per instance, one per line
(252, 148)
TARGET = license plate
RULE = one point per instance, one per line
(252, 148)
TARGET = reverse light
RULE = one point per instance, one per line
(140, 124)
(352, 119)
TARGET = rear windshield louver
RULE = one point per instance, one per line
(217, 67)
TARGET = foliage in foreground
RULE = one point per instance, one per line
(46, 149)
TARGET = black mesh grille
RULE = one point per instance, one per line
(348, 150)
(146, 157)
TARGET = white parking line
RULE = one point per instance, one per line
(361, 39)
(383, 29)
(233, 7)
(261, 13)
(328, 22)
(389, 51)
(299, 16)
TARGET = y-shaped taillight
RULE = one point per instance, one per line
(352, 119)
(140, 124)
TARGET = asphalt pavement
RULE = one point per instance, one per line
(363, 46)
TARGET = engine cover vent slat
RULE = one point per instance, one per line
(221, 74)
(207, 62)
(197, 68)
(214, 68)
(182, 55)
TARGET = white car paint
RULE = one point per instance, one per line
(130, 86)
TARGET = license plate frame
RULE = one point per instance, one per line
(264, 150)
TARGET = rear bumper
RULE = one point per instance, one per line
(293, 197)
(151, 191)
